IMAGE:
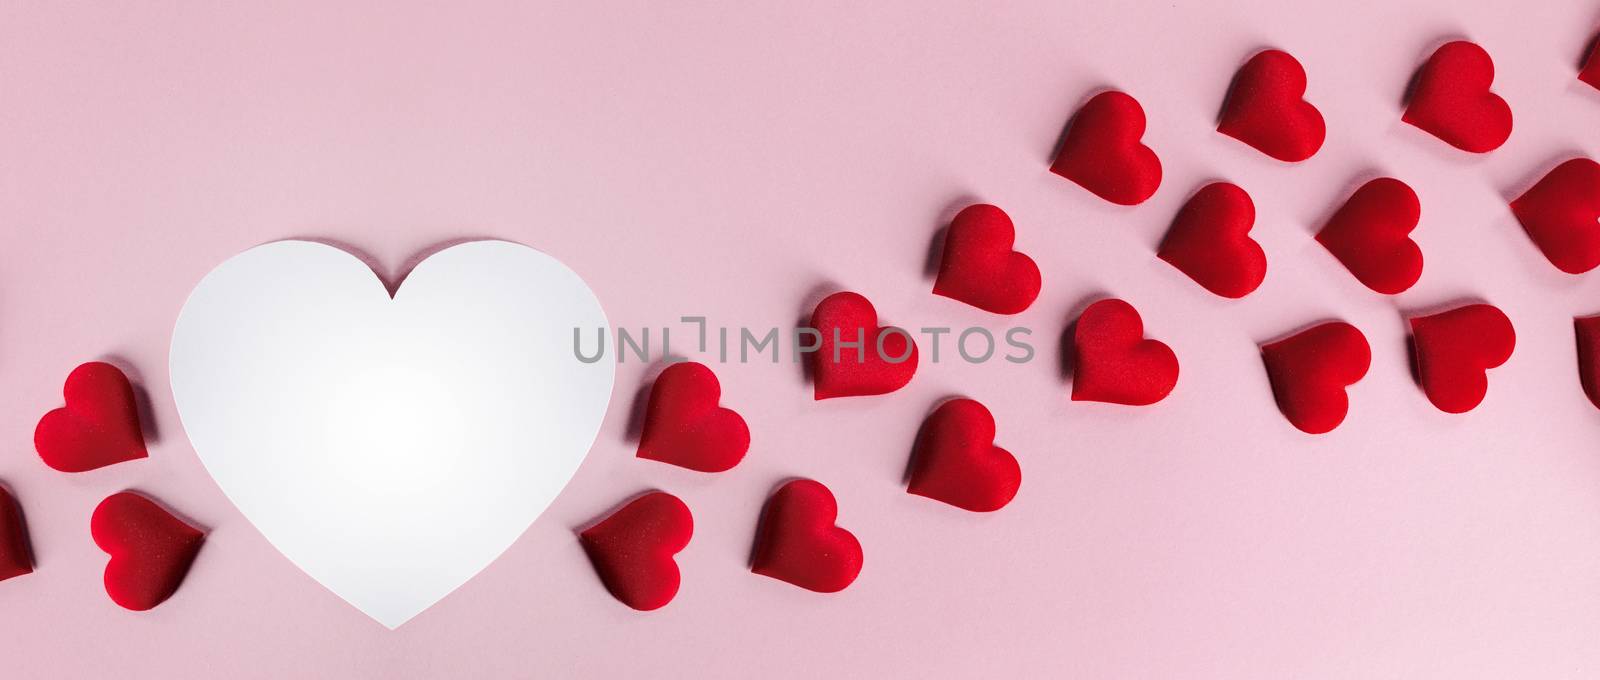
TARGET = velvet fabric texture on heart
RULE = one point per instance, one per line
(1559, 215)
(16, 552)
(1114, 363)
(1371, 235)
(855, 356)
(1454, 349)
(1310, 370)
(955, 460)
(684, 426)
(634, 549)
(1103, 153)
(98, 426)
(150, 549)
(979, 266)
(1266, 108)
(1209, 241)
(798, 542)
(1450, 99)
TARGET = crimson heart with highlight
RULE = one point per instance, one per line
(1455, 348)
(1103, 153)
(634, 549)
(1310, 370)
(955, 459)
(797, 540)
(1559, 214)
(684, 426)
(1113, 362)
(1450, 99)
(877, 360)
(150, 549)
(1266, 108)
(979, 266)
(98, 426)
(1210, 241)
(1371, 235)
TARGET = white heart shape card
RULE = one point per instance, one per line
(391, 447)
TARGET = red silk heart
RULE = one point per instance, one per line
(1450, 99)
(684, 426)
(955, 459)
(633, 549)
(1453, 350)
(1588, 332)
(1559, 214)
(798, 542)
(1102, 151)
(1371, 235)
(16, 554)
(877, 360)
(1310, 370)
(1210, 241)
(99, 425)
(150, 549)
(980, 268)
(1113, 362)
(1266, 109)
(1591, 67)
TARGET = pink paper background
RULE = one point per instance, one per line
(732, 162)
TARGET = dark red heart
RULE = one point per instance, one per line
(1591, 67)
(633, 550)
(16, 554)
(1113, 361)
(980, 268)
(1450, 99)
(1559, 213)
(1210, 241)
(955, 459)
(684, 426)
(1103, 154)
(150, 549)
(855, 357)
(1310, 370)
(1266, 108)
(99, 425)
(798, 542)
(1371, 235)
(1588, 331)
(1453, 350)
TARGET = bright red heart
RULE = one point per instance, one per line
(855, 357)
(1266, 108)
(684, 426)
(955, 459)
(1560, 212)
(980, 268)
(1588, 332)
(1210, 241)
(1450, 99)
(798, 542)
(633, 550)
(1113, 362)
(1371, 235)
(150, 549)
(1103, 154)
(1453, 350)
(1591, 67)
(99, 425)
(1310, 370)
(16, 555)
